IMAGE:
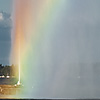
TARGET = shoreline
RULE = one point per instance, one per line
(6, 90)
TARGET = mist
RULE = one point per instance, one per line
(65, 62)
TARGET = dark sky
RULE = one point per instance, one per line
(6, 5)
(5, 30)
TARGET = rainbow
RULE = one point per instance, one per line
(33, 20)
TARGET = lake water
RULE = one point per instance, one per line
(8, 81)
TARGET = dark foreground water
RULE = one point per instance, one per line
(8, 81)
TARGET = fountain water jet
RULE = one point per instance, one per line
(18, 83)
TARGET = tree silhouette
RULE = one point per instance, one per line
(8, 70)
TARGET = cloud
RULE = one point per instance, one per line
(5, 37)
(5, 26)
(5, 20)
(1, 16)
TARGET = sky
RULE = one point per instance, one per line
(5, 30)
(69, 60)
(6, 6)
